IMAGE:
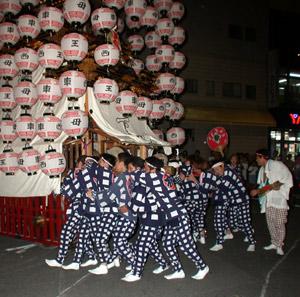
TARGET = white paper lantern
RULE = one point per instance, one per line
(51, 19)
(48, 127)
(9, 33)
(48, 91)
(26, 59)
(135, 9)
(179, 86)
(158, 134)
(144, 108)
(74, 122)
(50, 56)
(30, 3)
(52, 163)
(158, 110)
(76, 11)
(126, 103)
(178, 62)
(7, 130)
(150, 17)
(117, 4)
(179, 112)
(176, 136)
(28, 26)
(165, 82)
(163, 6)
(138, 65)
(25, 127)
(165, 53)
(74, 47)
(29, 160)
(103, 19)
(106, 90)
(164, 28)
(176, 12)
(10, 6)
(178, 36)
(107, 55)
(136, 42)
(131, 24)
(25, 94)
(73, 83)
(170, 107)
(152, 63)
(8, 67)
(7, 99)
(9, 161)
(120, 25)
(152, 40)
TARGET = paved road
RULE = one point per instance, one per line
(233, 271)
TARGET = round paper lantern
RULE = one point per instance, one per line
(158, 134)
(103, 19)
(28, 26)
(7, 130)
(9, 161)
(138, 65)
(9, 33)
(7, 99)
(164, 28)
(170, 107)
(48, 91)
(106, 90)
(107, 55)
(74, 122)
(48, 127)
(176, 136)
(163, 6)
(132, 25)
(50, 56)
(25, 127)
(26, 59)
(74, 47)
(178, 62)
(217, 139)
(179, 112)
(126, 103)
(176, 12)
(117, 4)
(29, 3)
(11, 7)
(136, 42)
(150, 17)
(29, 160)
(166, 82)
(120, 25)
(51, 19)
(177, 38)
(152, 40)
(25, 94)
(76, 12)
(158, 110)
(135, 9)
(52, 163)
(144, 108)
(8, 67)
(165, 53)
(152, 63)
(73, 84)
(179, 86)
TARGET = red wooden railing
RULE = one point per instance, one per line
(38, 219)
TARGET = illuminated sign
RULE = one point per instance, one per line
(295, 118)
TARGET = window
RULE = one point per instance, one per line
(210, 88)
(235, 31)
(250, 34)
(250, 92)
(191, 86)
(232, 90)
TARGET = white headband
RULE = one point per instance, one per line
(107, 162)
(217, 164)
(151, 165)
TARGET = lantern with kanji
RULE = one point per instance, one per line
(74, 47)
(25, 94)
(176, 12)
(51, 19)
(178, 62)
(26, 59)
(179, 112)
(8, 67)
(158, 134)
(7, 99)
(170, 107)
(137, 65)
(117, 4)
(25, 127)
(217, 139)
(52, 163)
(131, 24)
(136, 42)
(179, 87)
(29, 160)
(50, 56)
(135, 9)
(48, 91)
(10, 7)
(48, 126)
(9, 33)
(163, 6)
(144, 108)
(76, 12)
(103, 19)
(7, 129)
(73, 84)
(152, 40)
(107, 55)
(126, 103)
(152, 63)
(164, 28)
(74, 122)
(177, 38)
(175, 136)
(106, 90)
(166, 82)
(150, 17)
(165, 53)
(158, 110)
(9, 161)
(28, 26)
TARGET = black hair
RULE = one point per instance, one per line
(81, 159)
(135, 161)
(155, 162)
(263, 152)
(124, 157)
(109, 158)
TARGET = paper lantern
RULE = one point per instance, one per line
(117, 4)
(158, 134)
(103, 19)
(217, 139)
(120, 25)
(152, 63)
(178, 62)
(26, 59)
(29, 3)
(48, 127)
(150, 17)
(164, 28)
(137, 65)
(7, 130)
(170, 107)
(9, 161)
(177, 37)
(28, 26)
(74, 122)
(136, 42)
(179, 112)
(176, 12)
(50, 56)
(152, 40)
(48, 91)
(74, 47)
(8, 67)
(176, 136)
(144, 108)
(107, 55)
(29, 160)
(1, 16)
(10, 6)
(76, 12)
(135, 9)
(131, 24)
(25, 127)
(73, 84)
(126, 103)
(7, 99)
(163, 6)
(158, 110)
(179, 86)
(25, 94)
(51, 19)
(165, 82)
(52, 163)
(106, 90)
(9, 33)
(165, 53)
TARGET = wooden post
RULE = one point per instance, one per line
(143, 151)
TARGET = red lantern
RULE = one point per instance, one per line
(7, 130)
(48, 127)
(176, 12)
(144, 108)
(103, 19)
(9, 161)
(107, 55)
(51, 19)
(217, 139)
(138, 65)
(150, 17)
(152, 40)
(8, 67)
(7, 99)
(74, 47)
(158, 133)
(106, 90)
(170, 107)
(178, 36)
(163, 6)
(176, 136)
(76, 11)
(52, 163)
(152, 63)
(179, 86)
(166, 82)
(164, 28)
(28, 26)
(135, 9)
(136, 42)
(74, 122)
(179, 112)
(48, 91)
(25, 127)
(50, 56)
(10, 6)
(117, 4)
(73, 83)
(158, 110)
(178, 62)
(126, 103)
(165, 53)
(132, 25)
(26, 59)
(29, 160)
(25, 94)
(9, 33)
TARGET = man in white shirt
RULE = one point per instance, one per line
(272, 171)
